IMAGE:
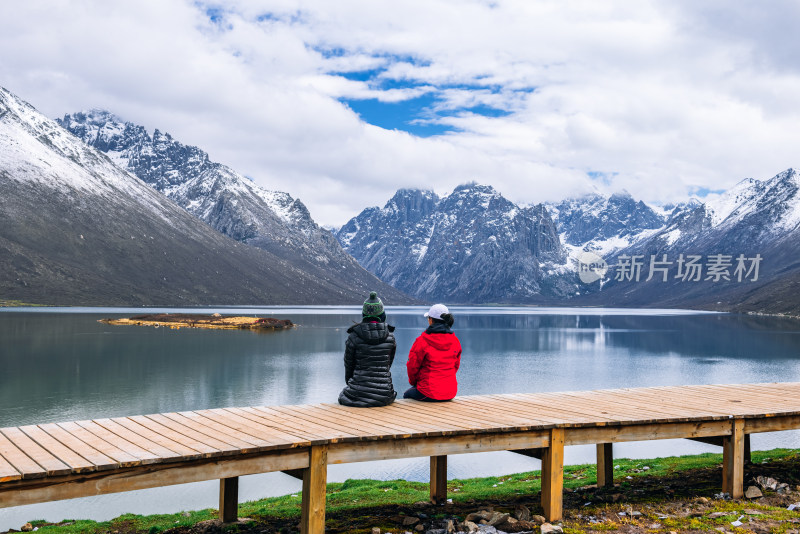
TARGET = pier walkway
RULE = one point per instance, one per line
(53, 461)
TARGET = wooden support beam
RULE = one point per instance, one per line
(718, 441)
(553, 476)
(296, 473)
(315, 479)
(747, 458)
(144, 477)
(531, 453)
(713, 440)
(438, 479)
(733, 460)
(229, 499)
(366, 451)
(605, 464)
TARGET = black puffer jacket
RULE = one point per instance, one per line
(368, 356)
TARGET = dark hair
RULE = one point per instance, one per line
(447, 318)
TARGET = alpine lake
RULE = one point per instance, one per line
(61, 364)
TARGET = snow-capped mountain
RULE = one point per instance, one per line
(603, 224)
(226, 200)
(752, 234)
(472, 246)
(76, 229)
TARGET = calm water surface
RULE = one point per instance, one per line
(60, 365)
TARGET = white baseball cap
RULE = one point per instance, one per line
(436, 311)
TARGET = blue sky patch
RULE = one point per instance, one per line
(703, 192)
(409, 115)
(419, 115)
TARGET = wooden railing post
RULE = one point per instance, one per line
(315, 479)
(605, 465)
(553, 476)
(438, 479)
(229, 499)
(733, 460)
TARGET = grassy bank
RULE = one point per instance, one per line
(668, 494)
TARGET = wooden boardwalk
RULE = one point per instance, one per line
(47, 462)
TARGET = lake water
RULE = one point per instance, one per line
(61, 365)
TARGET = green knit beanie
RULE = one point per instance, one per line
(373, 307)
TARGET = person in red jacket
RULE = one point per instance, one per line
(434, 359)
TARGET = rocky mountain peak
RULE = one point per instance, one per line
(226, 200)
(473, 245)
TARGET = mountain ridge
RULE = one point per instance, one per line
(75, 229)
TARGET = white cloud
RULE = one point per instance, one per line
(664, 97)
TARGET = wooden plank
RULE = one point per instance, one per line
(188, 448)
(438, 487)
(462, 423)
(259, 430)
(35, 452)
(545, 404)
(229, 499)
(145, 456)
(246, 441)
(386, 416)
(599, 409)
(7, 472)
(370, 430)
(243, 442)
(164, 453)
(346, 413)
(147, 476)
(733, 461)
(616, 434)
(722, 399)
(365, 451)
(504, 415)
(455, 422)
(553, 476)
(198, 439)
(772, 424)
(625, 405)
(334, 428)
(313, 432)
(19, 460)
(118, 455)
(315, 477)
(656, 405)
(76, 462)
(431, 424)
(525, 414)
(605, 465)
(100, 460)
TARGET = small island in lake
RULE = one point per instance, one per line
(199, 320)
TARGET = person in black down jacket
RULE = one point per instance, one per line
(368, 356)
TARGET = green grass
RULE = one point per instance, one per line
(363, 495)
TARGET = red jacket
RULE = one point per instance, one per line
(432, 365)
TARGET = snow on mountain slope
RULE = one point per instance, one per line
(472, 246)
(77, 229)
(226, 200)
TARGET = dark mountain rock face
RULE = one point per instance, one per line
(75, 229)
(755, 219)
(227, 201)
(471, 246)
(597, 218)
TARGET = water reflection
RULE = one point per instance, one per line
(67, 366)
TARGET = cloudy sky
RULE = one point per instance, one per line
(341, 103)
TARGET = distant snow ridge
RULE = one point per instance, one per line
(471, 246)
(217, 194)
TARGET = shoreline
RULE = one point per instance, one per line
(215, 321)
(679, 494)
